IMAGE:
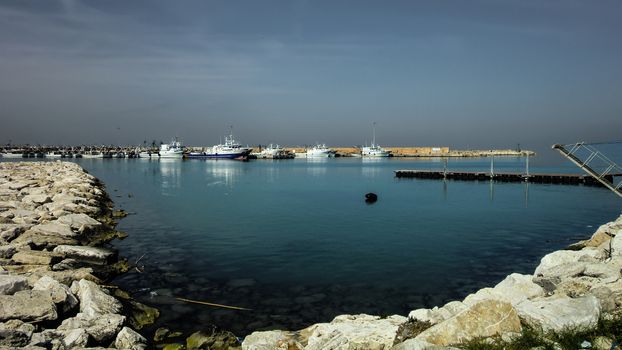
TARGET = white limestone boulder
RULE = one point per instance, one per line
(130, 340)
(94, 301)
(560, 313)
(60, 293)
(28, 306)
(349, 332)
(484, 319)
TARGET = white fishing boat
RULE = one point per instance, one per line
(374, 150)
(274, 152)
(56, 154)
(174, 149)
(92, 155)
(12, 155)
(231, 149)
(320, 151)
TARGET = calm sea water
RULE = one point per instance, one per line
(294, 240)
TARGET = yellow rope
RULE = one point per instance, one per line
(212, 304)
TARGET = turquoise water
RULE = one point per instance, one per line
(294, 240)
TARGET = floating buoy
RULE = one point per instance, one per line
(371, 198)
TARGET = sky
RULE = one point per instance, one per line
(465, 74)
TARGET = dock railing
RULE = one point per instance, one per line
(585, 156)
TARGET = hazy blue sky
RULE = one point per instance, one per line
(478, 74)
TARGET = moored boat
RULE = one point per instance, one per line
(231, 149)
(174, 149)
(320, 151)
(374, 150)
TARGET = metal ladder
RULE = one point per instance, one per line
(611, 171)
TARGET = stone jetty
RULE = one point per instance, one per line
(571, 289)
(55, 221)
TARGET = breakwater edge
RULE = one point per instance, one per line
(55, 223)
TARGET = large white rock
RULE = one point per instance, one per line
(355, 332)
(560, 313)
(83, 253)
(37, 198)
(484, 319)
(436, 314)
(78, 220)
(10, 284)
(54, 228)
(75, 338)
(562, 257)
(516, 288)
(130, 340)
(94, 301)
(102, 327)
(60, 293)
(27, 305)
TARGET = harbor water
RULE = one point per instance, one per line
(295, 241)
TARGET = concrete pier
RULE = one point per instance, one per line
(566, 179)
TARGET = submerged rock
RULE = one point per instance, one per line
(213, 339)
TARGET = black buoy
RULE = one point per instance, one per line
(371, 198)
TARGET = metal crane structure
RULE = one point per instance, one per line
(589, 159)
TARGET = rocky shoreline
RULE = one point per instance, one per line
(55, 222)
(571, 289)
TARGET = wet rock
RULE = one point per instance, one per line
(118, 214)
(28, 305)
(484, 319)
(560, 312)
(173, 346)
(160, 334)
(60, 293)
(129, 339)
(10, 284)
(93, 255)
(212, 339)
(93, 300)
(602, 343)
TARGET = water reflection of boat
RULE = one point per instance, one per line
(231, 149)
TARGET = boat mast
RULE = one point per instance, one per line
(373, 142)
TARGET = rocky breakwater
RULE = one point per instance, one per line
(571, 290)
(55, 221)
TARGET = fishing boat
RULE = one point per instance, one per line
(174, 149)
(14, 154)
(274, 152)
(320, 151)
(374, 150)
(93, 155)
(231, 149)
(55, 154)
